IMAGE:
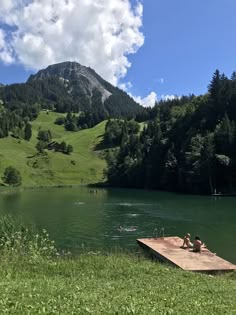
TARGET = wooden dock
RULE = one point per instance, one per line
(169, 249)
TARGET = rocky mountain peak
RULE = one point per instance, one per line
(74, 76)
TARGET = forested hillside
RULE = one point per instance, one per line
(67, 87)
(190, 145)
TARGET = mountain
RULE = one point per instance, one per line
(75, 77)
(69, 86)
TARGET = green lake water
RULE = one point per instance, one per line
(81, 219)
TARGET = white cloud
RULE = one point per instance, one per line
(148, 101)
(5, 50)
(2, 39)
(6, 5)
(152, 99)
(96, 33)
(168, 97)
(125, 86)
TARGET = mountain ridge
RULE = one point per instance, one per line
(71, 87)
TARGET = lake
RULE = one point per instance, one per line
(84, 219)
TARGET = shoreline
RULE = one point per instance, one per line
(104, 185)
(20, 188)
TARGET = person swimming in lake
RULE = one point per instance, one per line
(131, 229)
(187, 242)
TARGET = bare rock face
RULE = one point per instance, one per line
(76, 78)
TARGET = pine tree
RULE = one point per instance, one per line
(233, 76)
(28, 131)
(215, 85)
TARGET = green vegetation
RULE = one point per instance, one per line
(35, 279)
(110, 284)
(28, 131)
(82, 164)
(116, 129)
(185, 145)
(11, 176)
(64, 90)
(18, 240)
(188, 146)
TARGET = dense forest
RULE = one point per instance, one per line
(189, 145)
(16, 119)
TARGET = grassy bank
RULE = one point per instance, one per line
(113, 284)
(84, 166)
(35, 279)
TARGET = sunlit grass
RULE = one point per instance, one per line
(110, 284)
(84, 166)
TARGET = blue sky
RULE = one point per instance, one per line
(185, 41)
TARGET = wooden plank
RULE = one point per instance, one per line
(169, 249)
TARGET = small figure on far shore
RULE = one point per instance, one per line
(187, 241)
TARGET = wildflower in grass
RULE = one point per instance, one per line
(17, 239)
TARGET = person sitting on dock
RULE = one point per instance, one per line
(198, 244)
(187, 241)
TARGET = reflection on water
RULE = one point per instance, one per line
(78, 220)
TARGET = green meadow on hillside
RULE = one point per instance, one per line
(83, 166)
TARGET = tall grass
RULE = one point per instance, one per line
(18, 239)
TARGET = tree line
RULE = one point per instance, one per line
(188, 146)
